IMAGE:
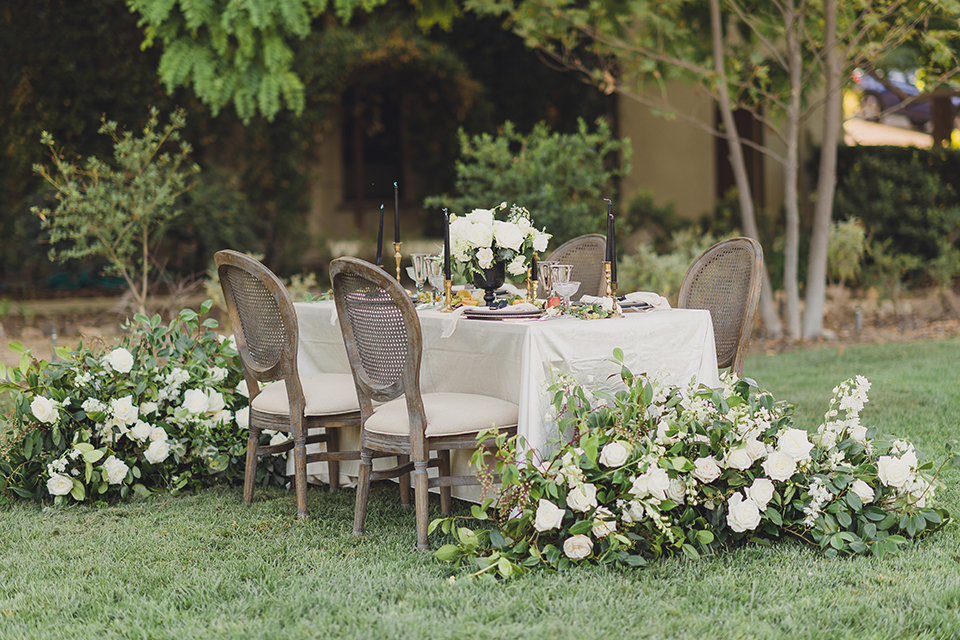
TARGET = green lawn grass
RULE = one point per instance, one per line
(208, 566)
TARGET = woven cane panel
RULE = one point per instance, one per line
(260, 319)
(378, 328)
(586, 254)
(722, 285)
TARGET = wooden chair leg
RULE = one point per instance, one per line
(250, 475)
(363, 490)
(446, 500)
(300, 474)
(422, 496)
(333, 466)
(404, 483)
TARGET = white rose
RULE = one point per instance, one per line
(517, 266)
(795, 444)
(59, 485)
(761, 492)
(508, 235)
(218, 374)
(549, 516)
(863, 490)
(779, 466)
(603, 522)
(242, 389)
(577, 547)
(148, 408)
(739, 458)
(141, 431)
(480, 235)
(893, 472)
(485, 258)
(116, 470)
(582, 498)
(242, 416)
(706, 470)
(859, 434)
(222, 417)
(157, 452)
(158, 434)
(215, 401)
(195, 401)
(910, 459)
(480, 216)
(756, 449)
(123, 410)
(614, 454)
(677, 491)
(742, 515)
(120, 360)
(44, 410)
(540, 241)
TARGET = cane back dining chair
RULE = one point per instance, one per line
(265, 328)
(384, 344)
(725, 280)
(586, 254)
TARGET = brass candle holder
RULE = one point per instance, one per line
(531, 286)
(447, 297)
(397, 256)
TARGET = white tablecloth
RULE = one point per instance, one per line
(514, 360)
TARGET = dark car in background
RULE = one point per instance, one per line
(875, 98)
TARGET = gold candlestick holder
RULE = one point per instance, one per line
(531, 286)
(607, 279)
(397, 256)
(447, 296)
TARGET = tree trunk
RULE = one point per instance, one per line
(791, 171)
(941, 113)
(827, 181)
(768, 309)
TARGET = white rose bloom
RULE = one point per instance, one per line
(761, 492)
(549, 516)
(485, 258)
(215, 401)
(742, 515)
(739, 458)
(242, 416)
(604, 523)
(756, 449)
(116, 470)
(222, 417)
(578, 547)
(677, 491)
(795, 444)
(480, 216)
(517, 266)
(582, 498)
(779, 466)
(59, 485)
(158, 434)
(44, 410)
(123, 410)
(195, 401)
(508, 235)
(480, 235)
(863, 490)
(141, 431)
(859, 434)
(614, 454)
(910, 459)
(218, 374)
(148, 408)
(893, 472)
(157, 452)
(540, 242)
(242, 389)
(120, 360)
(706, 470)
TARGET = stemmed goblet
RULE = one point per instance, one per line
(565, 290)
(418, 271)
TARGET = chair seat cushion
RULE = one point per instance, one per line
(448, 414)
(325, 394)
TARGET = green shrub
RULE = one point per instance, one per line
(561, 178)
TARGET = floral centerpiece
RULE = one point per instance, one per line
(658, 469)
(161, 411)
(478, 240)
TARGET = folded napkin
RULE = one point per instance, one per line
(449, 323)
(655, 300)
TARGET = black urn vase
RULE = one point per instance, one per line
(490, 280)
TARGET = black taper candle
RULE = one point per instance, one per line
(609, 244)
(380, 240)
(446, 245)
(396, 213)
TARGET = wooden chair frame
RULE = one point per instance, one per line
(586, 254)
(414, 447)
(262, 366)
(709, 284)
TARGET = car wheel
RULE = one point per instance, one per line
(870, 107)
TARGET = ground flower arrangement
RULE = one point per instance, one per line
(659, 469)
(161, 411)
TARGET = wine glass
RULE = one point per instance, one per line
(565, 290)
(559, 273)
(435, 278)
(418, 272)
